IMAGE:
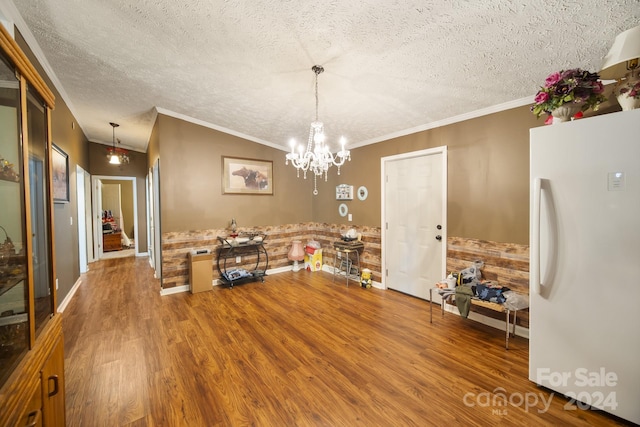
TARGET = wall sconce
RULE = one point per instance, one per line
(296, 253)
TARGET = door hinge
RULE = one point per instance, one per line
(386, 272)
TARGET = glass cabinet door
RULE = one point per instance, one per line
(14, 292)
(39, 197)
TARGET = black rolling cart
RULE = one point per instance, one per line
(242, 259)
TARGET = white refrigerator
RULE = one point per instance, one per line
(584, 336)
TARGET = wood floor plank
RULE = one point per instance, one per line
(298, 350)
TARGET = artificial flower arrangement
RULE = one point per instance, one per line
(575, 86)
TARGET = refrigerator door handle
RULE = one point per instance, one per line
(535, 236)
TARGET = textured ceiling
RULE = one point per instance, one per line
(244, 66)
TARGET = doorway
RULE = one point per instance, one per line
(125, 224)
(414, 215)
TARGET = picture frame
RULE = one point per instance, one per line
(344, 192)
(60, 175)
(247, 176)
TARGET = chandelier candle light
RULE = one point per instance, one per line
(317, 157)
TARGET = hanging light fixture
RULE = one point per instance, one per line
(115, 154)
(317, 157)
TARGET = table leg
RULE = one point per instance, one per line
(506, 343)
(347, 267)
(335, 261)
(430, 306)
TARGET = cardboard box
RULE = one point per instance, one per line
(313, 262)
(200, 272)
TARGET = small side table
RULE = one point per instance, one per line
(348, 254)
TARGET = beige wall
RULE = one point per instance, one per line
(488, 175)
(191, 181)
(488, 178)
(488, 190)
(488, 165)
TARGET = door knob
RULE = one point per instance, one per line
(438, 237)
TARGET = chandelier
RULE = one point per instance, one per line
(116, 155)
(317, 157)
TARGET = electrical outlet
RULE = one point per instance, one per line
(238, 260)
(350, 217)
(70, 220)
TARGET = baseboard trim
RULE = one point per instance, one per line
(175, 290)
(65, 302)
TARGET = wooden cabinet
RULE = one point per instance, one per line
(46, 404)
(33, 413)
(112, 241)
(35, 388)
(31, 345)
(52, 378)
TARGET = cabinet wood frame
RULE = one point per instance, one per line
(17, 391)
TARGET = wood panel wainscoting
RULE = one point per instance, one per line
(295, 350)
(176, 246)
(504, 263)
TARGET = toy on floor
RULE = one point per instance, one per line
(365, 278)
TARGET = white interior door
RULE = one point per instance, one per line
(414, 218)
(157, 257)
(82, 236)
(96, 184)
(149, 202)
(88, 217)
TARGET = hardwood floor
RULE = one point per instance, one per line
(296, 350)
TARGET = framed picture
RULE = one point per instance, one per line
(60, 173)
(344, 192)
(246, 176)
